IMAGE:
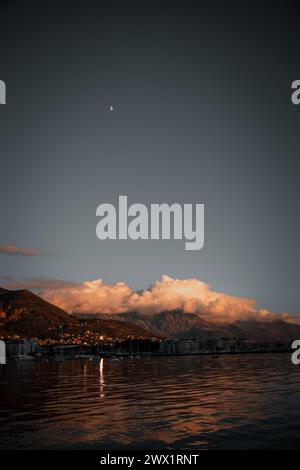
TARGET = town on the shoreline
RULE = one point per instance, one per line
(22, 348)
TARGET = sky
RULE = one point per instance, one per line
(202, 114)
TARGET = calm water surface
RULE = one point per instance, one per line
(246, 401)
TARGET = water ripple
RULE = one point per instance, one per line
(248, 401)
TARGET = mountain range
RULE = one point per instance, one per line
(179, 324)
(25, 314)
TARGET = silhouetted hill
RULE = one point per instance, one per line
(175, 324)
(25, 314)
(276, 330)
(178, 324)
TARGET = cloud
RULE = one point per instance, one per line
(91, 297)
(16, 250)
(189, 295)
(36, 283)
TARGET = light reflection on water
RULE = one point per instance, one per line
(246, 401)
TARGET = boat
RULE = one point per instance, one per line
(94, 358)
(23, 357)
(113, 359)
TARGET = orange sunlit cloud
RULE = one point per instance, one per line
(166, 294)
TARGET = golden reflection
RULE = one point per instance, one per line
(101, 379)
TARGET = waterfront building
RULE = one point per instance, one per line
(180, 346)
(20, 347)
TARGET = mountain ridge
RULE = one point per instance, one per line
(179, 324)
(24, 314)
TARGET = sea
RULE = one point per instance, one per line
(247, 401)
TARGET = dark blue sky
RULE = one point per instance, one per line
(202, 115)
